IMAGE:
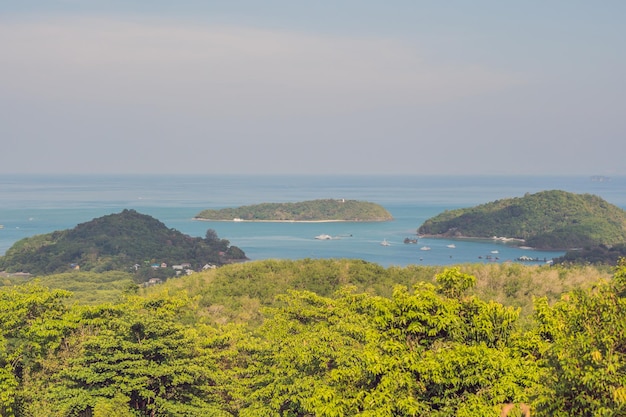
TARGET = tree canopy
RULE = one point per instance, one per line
(434, 348)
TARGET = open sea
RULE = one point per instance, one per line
(37, 204)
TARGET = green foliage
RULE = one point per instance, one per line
(112, 407)
(91, 287)
(315, 210)
(137, 354)
(116, 242)
(235, 292)
(414, 354)
(32, 323)
(545, 220)
(359, 345)
(585, 357)
(453, 282)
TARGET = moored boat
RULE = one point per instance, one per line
(323, 237)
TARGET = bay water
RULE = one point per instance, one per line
(37, 204)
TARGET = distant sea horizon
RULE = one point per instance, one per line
(36, 204)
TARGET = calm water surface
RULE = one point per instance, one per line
(39, 204)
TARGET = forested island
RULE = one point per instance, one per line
(122, 241)
(305, 211)
(552, 220)
(317, 338)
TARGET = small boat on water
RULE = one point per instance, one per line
(385, 243)
(451, 246)
(323, 237)
(425, 248)
(495, 251)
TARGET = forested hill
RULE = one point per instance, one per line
(314, 210)
(546, 220)
(116, 242)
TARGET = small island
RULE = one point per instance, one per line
(550, 220)
(325, 210)
(126, 241)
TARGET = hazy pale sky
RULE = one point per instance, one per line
(329, 87)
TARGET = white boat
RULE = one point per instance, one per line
(385, 243)
(451, 245)
(323, 237)
(425, 248)
(494, 251)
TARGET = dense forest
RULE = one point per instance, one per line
(314, 210)
(555, 220)
(123, 241)
(318, 338)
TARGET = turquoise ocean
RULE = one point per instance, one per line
(37, 204)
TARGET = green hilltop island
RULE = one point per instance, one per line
(325, 210)
(547, 220)
(126, 241)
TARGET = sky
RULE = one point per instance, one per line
(326, 87)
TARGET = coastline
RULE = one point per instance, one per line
(513, 240)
